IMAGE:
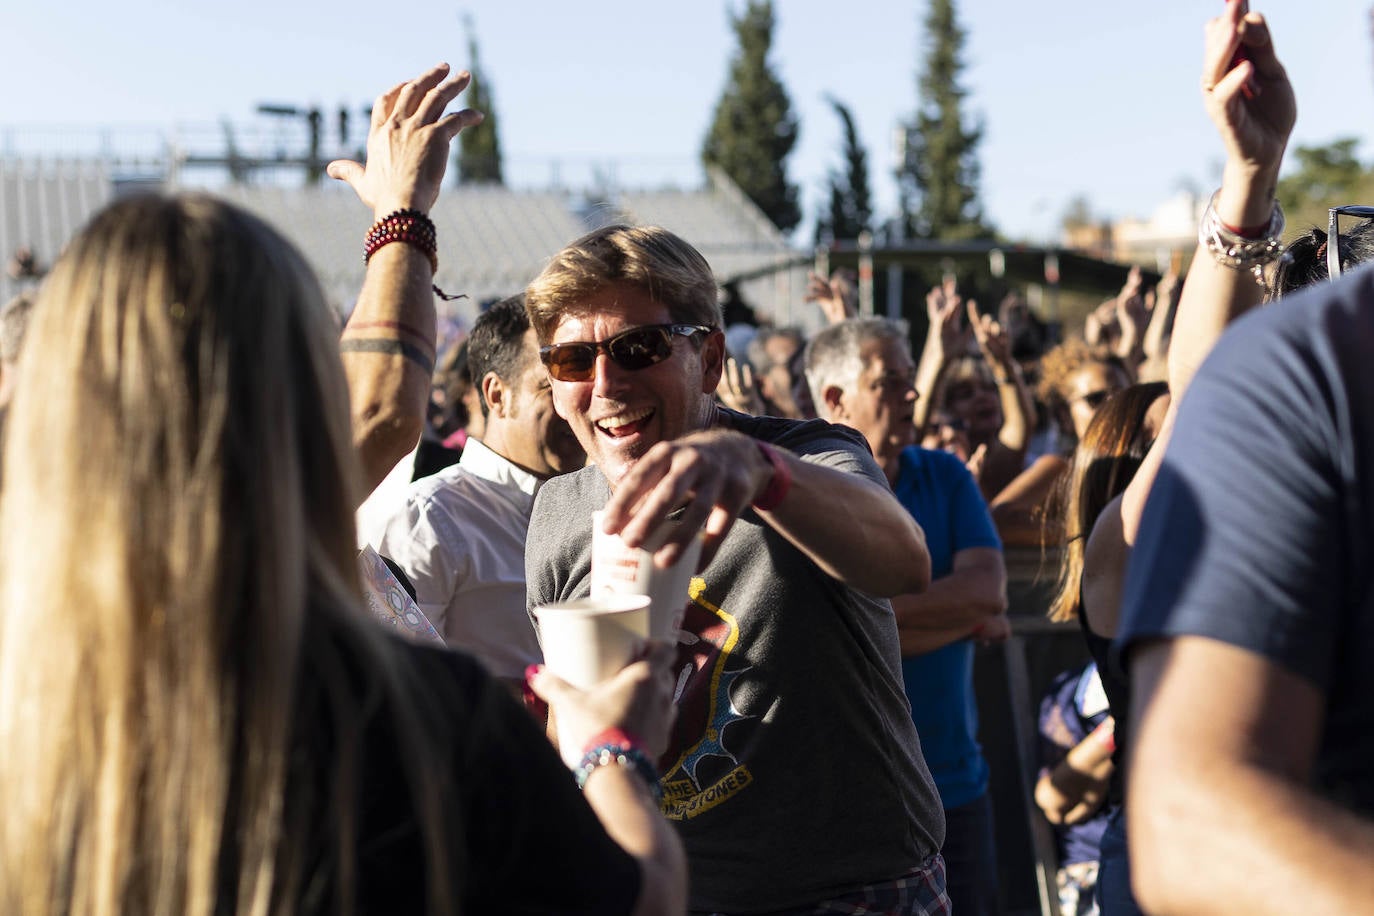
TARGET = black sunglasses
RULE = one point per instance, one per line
(632, 350)
(1333, 235)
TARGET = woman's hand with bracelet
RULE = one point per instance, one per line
(1253, 108)
(638, 702)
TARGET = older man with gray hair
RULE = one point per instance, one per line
(861, 374)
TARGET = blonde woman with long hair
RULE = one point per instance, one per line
(196, 715)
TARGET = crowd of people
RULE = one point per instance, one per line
(197, 715)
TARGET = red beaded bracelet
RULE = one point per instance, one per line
(409, 226)
(413, 228)
(781, 482)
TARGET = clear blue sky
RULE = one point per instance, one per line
(1079, 98)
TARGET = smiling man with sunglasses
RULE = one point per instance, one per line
(789, 680)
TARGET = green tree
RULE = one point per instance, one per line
(477, 159)
(939, 179)
(851, 203)
(1325, 176)
(754, 128)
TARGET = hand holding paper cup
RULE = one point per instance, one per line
(621, 570)
(589, 640)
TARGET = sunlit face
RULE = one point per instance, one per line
(882, 404)
(537, 438)
(1088, 388)
(970, 394)
(945, 432)
(620, 414)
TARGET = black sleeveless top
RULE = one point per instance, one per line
(1118, 690)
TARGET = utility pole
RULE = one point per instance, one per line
(314, 162)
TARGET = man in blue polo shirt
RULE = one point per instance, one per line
(861, 374)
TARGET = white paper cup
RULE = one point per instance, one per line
(588, 640)
(621, 570)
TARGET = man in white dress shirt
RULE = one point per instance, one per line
(460, 537)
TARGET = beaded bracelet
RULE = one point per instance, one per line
(625, 755)
(412, 227)
(1239, 252)
(409, 226)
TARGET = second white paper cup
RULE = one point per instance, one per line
(588, 640)
(621, 570)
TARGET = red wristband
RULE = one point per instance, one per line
(777, 488)
(1247, 232)
(616, 736)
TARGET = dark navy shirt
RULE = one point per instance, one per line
(1259, 527)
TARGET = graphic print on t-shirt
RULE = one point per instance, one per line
(700, 770)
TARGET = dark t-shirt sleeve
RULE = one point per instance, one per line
(534, 844)
(1240, 540)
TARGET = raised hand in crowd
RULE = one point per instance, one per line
(1161, 327)
(990, 335)
(992, 400)
(837, 296)
(1253, 109)
(1018, 406)
(947, 338)
(388, 345)
(1250, 739)
(1251, 104)
(1099, 327)
(1133, 308)
(736, 389)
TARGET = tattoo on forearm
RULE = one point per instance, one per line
(392, 326)
(392, 347)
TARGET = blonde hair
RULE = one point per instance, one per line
(664, 265)
(178, 493)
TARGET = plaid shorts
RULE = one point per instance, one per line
(919, 892)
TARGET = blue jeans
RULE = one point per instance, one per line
(1114, 897)
(970, 853)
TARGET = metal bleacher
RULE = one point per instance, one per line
(493, 240)
(42, 205)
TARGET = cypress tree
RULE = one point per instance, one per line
(478, 156)
(851, 202)
(939, 180)
(754, 128)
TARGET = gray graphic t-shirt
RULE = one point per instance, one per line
(794, 772)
